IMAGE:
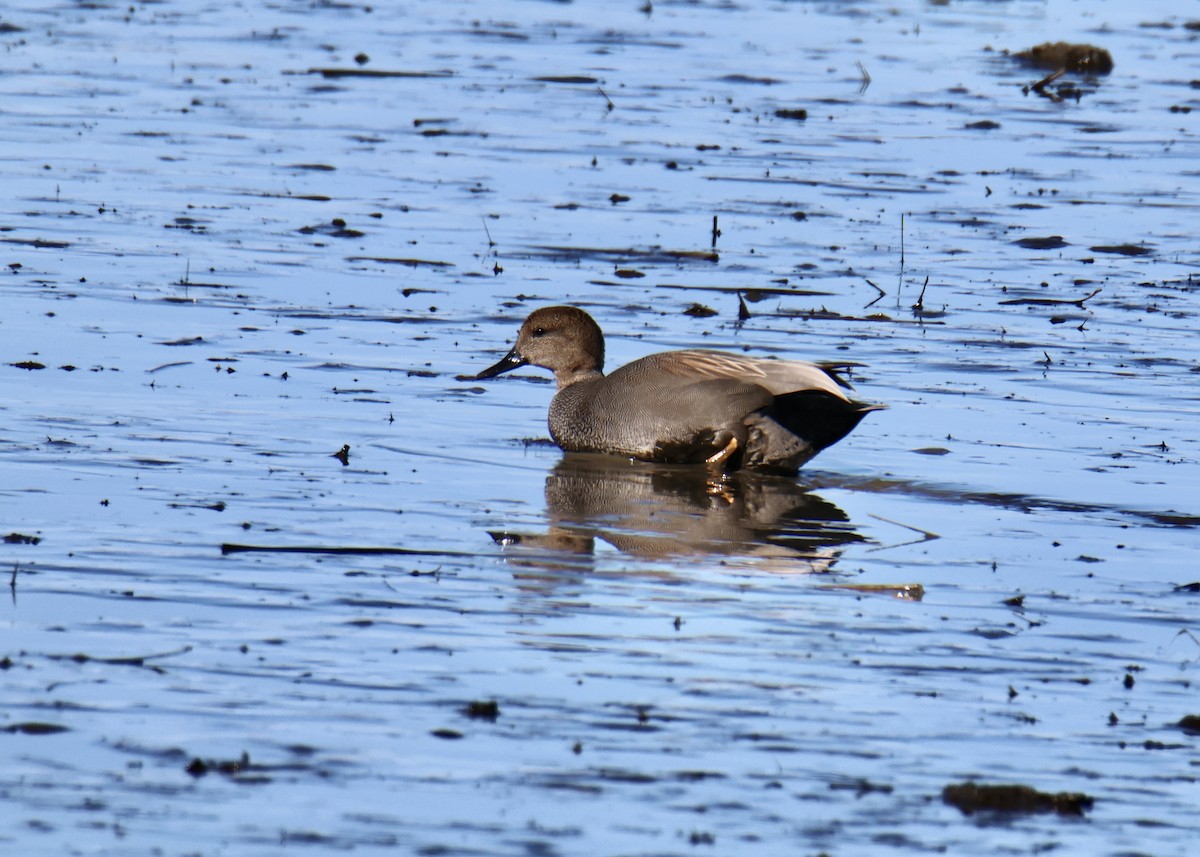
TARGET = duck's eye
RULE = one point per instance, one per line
(539, 331)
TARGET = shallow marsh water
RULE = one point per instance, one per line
(230, 264)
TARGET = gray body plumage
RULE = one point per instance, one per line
(686, 406)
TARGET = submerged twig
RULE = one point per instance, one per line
(1051, 301)
(1040, 86)
(866, 77)
(927, 535)
(128, 661)
(876, 288)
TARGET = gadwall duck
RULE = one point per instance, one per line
(683, 407)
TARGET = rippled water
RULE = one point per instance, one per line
(235, 240)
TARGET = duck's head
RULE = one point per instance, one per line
(564, 339)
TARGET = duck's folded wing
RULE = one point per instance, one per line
(778, 377)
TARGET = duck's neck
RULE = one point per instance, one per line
(567, 377)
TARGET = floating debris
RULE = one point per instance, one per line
(792, 114)
(487, 709)
(414, 263)
(566, 78)
(1050, 242)
(1122, 249)
(901, 591)
(971, 797)
(1190, 724)
(334, 73)
(34, 728)
(336, 228)
(1083, 58)
(21, 539)
(198, 767)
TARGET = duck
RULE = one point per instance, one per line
(695, 406)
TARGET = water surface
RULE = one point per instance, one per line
(234, 243)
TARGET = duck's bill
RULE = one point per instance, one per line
(511, 360)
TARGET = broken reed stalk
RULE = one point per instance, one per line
(1040, 86)
(919, 306)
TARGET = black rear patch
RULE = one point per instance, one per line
(818, 417)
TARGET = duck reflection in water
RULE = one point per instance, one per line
(656, 511)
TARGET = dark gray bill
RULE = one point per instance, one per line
(511, 360)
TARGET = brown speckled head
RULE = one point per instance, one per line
(564, 339)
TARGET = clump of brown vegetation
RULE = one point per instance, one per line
(1064, 56)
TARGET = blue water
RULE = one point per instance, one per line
(231, 265)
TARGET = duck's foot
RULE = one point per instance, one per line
(718, 459)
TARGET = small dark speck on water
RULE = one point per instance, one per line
(487, 709)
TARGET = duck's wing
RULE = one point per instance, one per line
(778, 377)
